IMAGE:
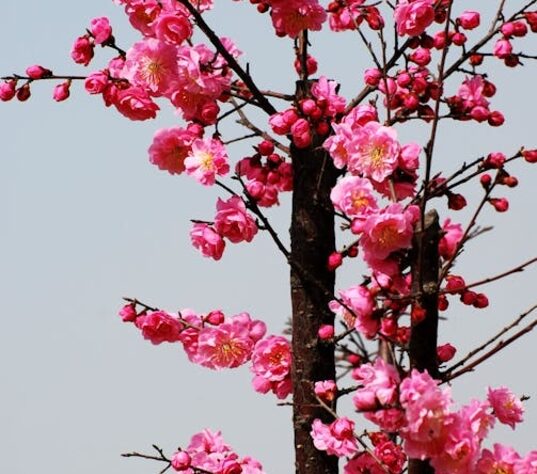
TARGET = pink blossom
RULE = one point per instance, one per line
(61, 91)
(326, 332)
(326, 390)
(271, 358)
(502, 48)
(373, 151)
(181, 461)
(301, 132)
(337, 438)
(290, 17)
(233, 222)
(353, 196)
(135, 104)
(427, 416)
(379, 383)
(502, 460)
(100, 29)
(38, 72)
(324, 91)
(412, 18)
(170, 147)
(159, 326)
(96, 82)
(128, 313)
(445, 352)
(207, 240)
(526, 465)
(346, 16)
(227, 345)
(142, 14)
(450, 240)
(387, 231)
(152, 64)
(207, 159)
(471, 92)
(364, 463)
(173, 28)
(360, 301)
(82, 51)
(390, 420)
(507, 407)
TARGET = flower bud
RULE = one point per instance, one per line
(38, 72)
(335, 260)
(326, 332)
(61, 91)
(445, 352)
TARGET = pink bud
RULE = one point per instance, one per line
(500, 204)
(443, 303)
(417, 315)
(209, 113)
(61, 91)
(7, 90)
(530, 155)
(455, 284)
(82, 51)
(215, 318)
(458, 39)
(469, 19)
(468, 297)
(101, 30)
(326, 390)
(456, 202)
(265, 148)
(502, 48)
(181, 461)
(335, 259)
(128, 313)
(495, 160)
(421, 56)
(404, 79)
(481, 301)
(445, 352)
(96, 82)
(354, 359)
(479, 113)
(308, 106)
(372, 77)
(496, 119)
(38, 72)
(388, 327)
(485, 180)
(24, 93)
(326, 332)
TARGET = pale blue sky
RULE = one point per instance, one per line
(88, 220)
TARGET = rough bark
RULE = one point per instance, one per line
(424, 335)
(312, 241)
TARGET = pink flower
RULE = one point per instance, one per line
(233, 222)
(502, 460)
(173, 28)
(181, 461)
(427, 416)
(359, 300)
(207, 240)
(336, 439)
(152, 64)
(445, 352)
(128, 313)
(526, 465)
(471, 92)
(412, 18)
(228, 345)
(207, 159)
(324, 91)
(379, 383)
(82, 51)
(159, 326)
(101, 30)
(61, 91)
(326, 390)
(38, 72)
(135, 104)
(271, 358)
(290, 17)
(502, 48)
(373, 151)
(507, 407)
(96, 82)
(388, 231)
(300, 130)
(450, 240)
(353, 196)
(170, 147)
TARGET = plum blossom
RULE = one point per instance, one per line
(135, 104)
(353, 196)
(271, 365)
(378, 382)
(170, 147)
(100, 29)
(290, 17)
(233, 222)
(360, 301)
(507, 407)
(450, 240)
(159, 326)
(501, 460)
(413, 17)
(207, 240)
(206, 160)
(337, 438)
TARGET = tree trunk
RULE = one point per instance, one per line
(312, 284)
(424, 335)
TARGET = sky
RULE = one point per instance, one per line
(87, 220)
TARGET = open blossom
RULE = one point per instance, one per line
(413, 17)
(379, 383)
(507, 407)
(324, 91)
(207, 240)
(471, 92)
(233, 222)
(290, 17)
(173, 28)
(500, 461)
(82, 51)
(272, 358)
(159, 326)
(450, 240)
(170, 147)
(428, 420)
(527, 464)
(207, 159)
(359, 300)
(387, 231)
(337, 438)
(135, 104)
(353, 196)
(373, 151)
(152, 64)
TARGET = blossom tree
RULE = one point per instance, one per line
(352, 177)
